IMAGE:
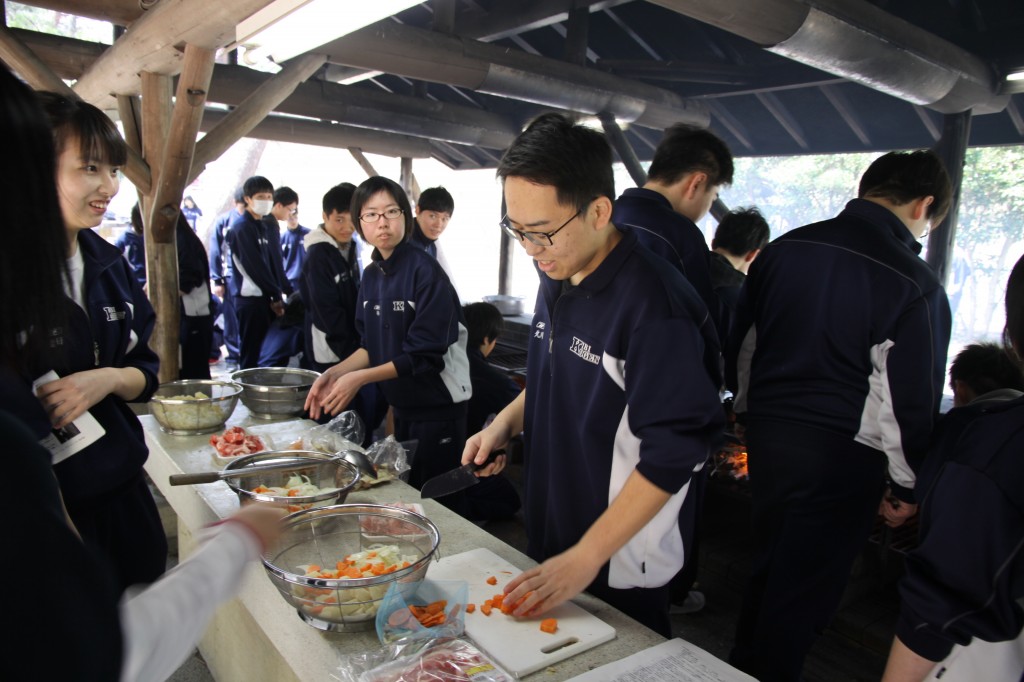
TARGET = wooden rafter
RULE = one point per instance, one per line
(252, 110)
(363, 162)
(731, 123)
(785, 118)
(39, 76)
(836, 97)
(152, 43)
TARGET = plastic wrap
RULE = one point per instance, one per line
(412, 660)
(396, 621)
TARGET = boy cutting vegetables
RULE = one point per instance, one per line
(621, 405)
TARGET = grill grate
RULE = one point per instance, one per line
(507, 358)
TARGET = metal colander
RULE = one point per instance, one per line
(326, 535)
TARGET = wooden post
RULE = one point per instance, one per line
(252, 110)
(157, 90)
(39, 76)
(175, 162)
(129, 108)
(405, 176)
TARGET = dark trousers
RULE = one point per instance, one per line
(231, 339)
(815, 497)
(440, 443)
(124, 526)
(280, 344)
(647, 605)
(254, 318)
(196, 338)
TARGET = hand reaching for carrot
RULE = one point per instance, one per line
(557, 580)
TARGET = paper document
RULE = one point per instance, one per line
(671, 661)
(76, 436)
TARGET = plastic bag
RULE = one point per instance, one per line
(396, 621)
(389, 459)
(444, 660)
(344, 432)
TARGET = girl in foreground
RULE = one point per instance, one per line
(70, 624)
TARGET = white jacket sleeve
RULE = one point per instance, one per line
(162, 624)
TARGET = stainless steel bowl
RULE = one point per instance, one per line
(178, 411)
(275, 392)
(327, 535)
(335, 475)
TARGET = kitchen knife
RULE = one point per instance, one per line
(455, 480)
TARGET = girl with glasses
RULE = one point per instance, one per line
(413, 339)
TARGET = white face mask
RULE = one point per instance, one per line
(262, 206)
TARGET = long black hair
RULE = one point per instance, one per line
(33, 260)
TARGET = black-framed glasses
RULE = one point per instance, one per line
(536, 238)
(373, 216)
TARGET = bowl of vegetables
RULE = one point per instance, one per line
(275, 392)
(334, 564)
(296, 479)
(194, 406)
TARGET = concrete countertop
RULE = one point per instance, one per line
(259, 636)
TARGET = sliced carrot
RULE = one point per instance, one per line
(486, 608)
(549, 625)
(431, 614)
(492, 580)
(470, 608)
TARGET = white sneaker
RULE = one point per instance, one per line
(693, 603)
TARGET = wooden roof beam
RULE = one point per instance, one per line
(327, 134)
(151, 44)
(252, 110)
(363, 162)
(508, 19)
(731, 123)
(39, 76)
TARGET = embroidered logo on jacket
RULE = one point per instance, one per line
(583, 350)
(398, 306)
(539, 333)
(112, 313)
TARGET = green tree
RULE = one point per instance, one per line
(57, 23)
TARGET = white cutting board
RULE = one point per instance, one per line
(518, 643)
